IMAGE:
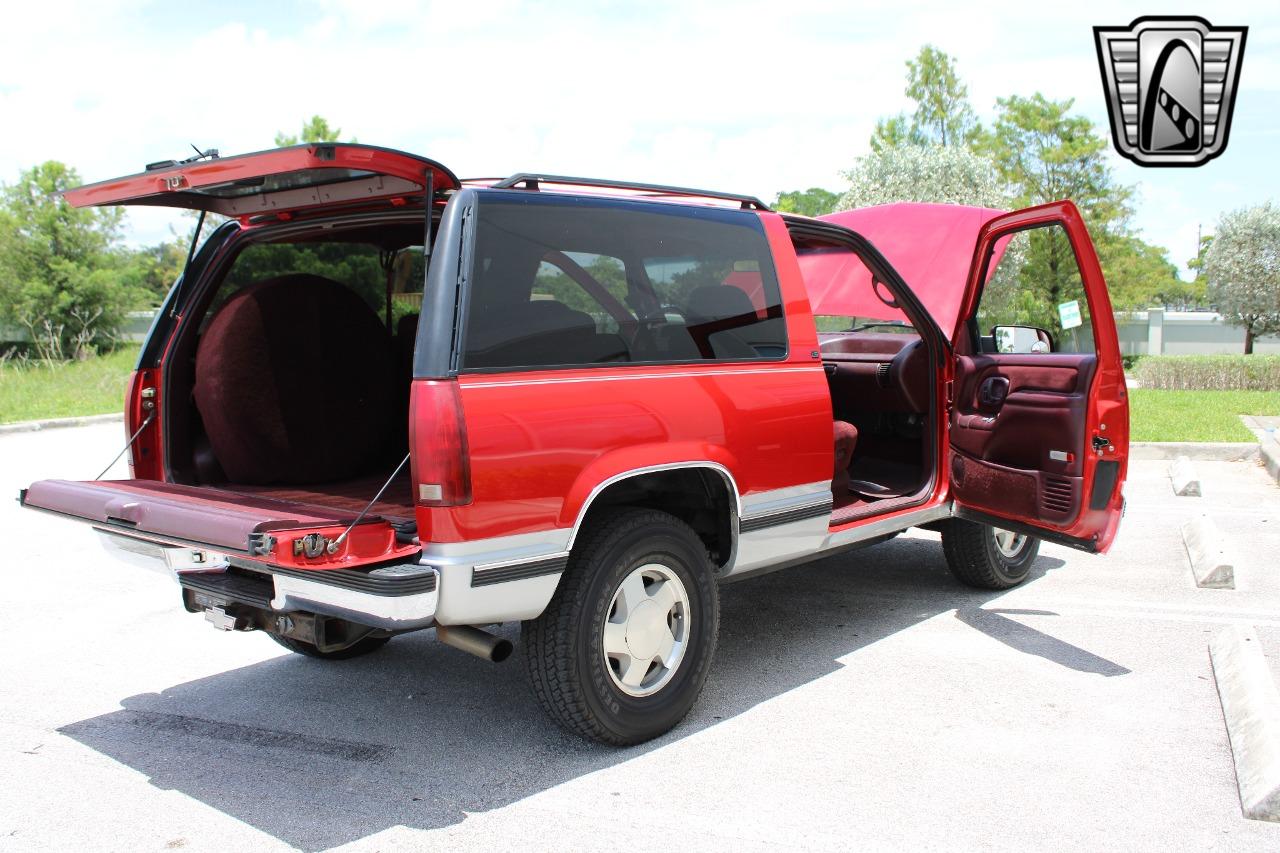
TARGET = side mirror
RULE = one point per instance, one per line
(1021, 339)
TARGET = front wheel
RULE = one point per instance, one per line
(623, 649)
(988, 557)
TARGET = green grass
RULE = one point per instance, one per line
(1196, 415)
(35, 391)
(94, 387)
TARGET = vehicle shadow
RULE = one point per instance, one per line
(322, 753)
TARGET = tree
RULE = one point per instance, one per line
(315, 130)
(63, 275)
(942, 115)
(1045, 154)
(814, 201)
(1242, 266)
(1140, 275)
(894, 131)
(1197, 290)
(157, 267)
(934, 174)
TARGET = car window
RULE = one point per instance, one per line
(587, 282)
(358, 266)
(1034, 300)
(564, 281)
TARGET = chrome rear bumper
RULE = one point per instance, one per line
(395, 598)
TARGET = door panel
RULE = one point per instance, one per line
(1041, 439)
(1025, 447)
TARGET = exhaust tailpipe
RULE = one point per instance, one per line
(472, 640)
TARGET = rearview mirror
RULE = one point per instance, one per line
(1021, 339)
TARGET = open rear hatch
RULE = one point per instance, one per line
(272, 531)
(279, 181)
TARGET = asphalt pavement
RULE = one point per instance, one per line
(866, 701)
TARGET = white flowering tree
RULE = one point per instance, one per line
(1242, 266)
(945, 174)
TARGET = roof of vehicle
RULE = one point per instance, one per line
(537, 181)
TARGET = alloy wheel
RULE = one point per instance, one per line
(646, 631)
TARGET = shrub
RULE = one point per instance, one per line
(1209, 372)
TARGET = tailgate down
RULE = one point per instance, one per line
(232, 522)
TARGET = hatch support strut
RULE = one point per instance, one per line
(186, 268)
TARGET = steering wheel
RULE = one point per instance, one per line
(909, 373)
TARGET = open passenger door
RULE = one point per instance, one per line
(1038, 428)
(282, 180)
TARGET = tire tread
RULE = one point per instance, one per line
(966, 546)
(548, 657)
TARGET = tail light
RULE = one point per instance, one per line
(438, 442)
(142, 401)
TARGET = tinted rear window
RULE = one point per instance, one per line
(561, 281)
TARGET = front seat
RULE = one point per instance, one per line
(707, 307)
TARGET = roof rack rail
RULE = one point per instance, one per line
(531, 180)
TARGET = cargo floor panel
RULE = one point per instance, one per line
(350, 495)
(216, 517)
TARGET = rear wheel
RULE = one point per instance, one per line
(623, 649)
(988, 557)
(360, 647)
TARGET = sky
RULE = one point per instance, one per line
(743, 96)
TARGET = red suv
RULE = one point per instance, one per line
(381, 399)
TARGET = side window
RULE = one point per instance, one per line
(719, 306)
(1034, 300)
(566, 281)
(585, 282)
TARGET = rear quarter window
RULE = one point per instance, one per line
(560, 281)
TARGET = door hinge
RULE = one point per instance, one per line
(949, 390)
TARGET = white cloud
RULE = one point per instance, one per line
(752, 96)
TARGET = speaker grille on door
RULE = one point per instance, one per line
(1056, 497)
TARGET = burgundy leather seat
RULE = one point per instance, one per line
(846, 438)
(297, 382)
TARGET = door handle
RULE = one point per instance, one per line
(992, 392)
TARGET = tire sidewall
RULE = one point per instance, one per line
(1011, 571)
(632, 719)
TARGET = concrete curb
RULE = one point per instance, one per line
(59, 423)
(1186, 482)
(1251, 709)
(1213, 451)
(1268, 446)
(1271, 459)
(1209, 561)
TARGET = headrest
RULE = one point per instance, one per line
(718, 301)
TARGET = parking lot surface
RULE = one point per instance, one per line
(863, 701)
